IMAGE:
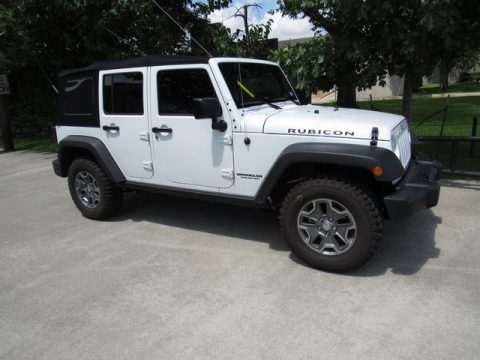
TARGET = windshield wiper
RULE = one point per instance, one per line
(271, 104)
(261, 102)
(286, 98)
(252, 95)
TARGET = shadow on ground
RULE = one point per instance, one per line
(407, 244)
(461, 184)
(237, 222)
(406, 247)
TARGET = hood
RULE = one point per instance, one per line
(310, 120)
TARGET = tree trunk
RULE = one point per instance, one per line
(347, 95)
(5, 125)
(444, 71)
(407, 95)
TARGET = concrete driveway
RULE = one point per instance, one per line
(184, 279)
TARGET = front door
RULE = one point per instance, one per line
(124, 120)
(188, 151)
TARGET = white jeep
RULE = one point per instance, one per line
(233, 130)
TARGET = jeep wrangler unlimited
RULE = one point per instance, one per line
(233, 130)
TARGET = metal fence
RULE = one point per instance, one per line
(452, 167)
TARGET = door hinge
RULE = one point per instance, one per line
(144, 135)
(147, 165)
(227, 173)
(227, 140)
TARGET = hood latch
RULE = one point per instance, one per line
(374, 136)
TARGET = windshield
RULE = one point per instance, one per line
(254, 84)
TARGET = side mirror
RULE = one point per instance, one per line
(204, 108)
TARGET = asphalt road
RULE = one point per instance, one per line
(184, 279)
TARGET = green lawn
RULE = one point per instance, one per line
(472, 86)
(39, 145)
(461, 111)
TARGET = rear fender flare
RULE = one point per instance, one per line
(66, 152)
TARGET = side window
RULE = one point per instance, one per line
(123, 94)
(78, 96)
(177, 89)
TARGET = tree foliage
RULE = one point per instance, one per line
(306, 66)
(365, 40)
(41, 37)
(349, 30)
(357, 42)
(224, 42)
(425, 34)
(456, 28)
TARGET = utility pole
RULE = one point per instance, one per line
(245, 22)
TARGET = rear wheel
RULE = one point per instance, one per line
(331, 224)
(92, 191)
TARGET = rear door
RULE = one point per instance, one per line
(124, 119)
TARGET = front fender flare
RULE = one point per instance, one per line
(358, 156)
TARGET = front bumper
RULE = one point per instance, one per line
(417, 191)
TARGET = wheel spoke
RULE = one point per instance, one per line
(331, 213)
(311, 211)
(79, 184)
(94, 198)
(90, 179)
(343, 238)
(323, 243)
(311, 232)
(335, 248)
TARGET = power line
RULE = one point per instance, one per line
(45, 74)
(182, 28)
(134, 47)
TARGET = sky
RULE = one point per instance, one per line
(283, 28)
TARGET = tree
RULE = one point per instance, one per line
(305, 65)
(426, 33)
(363, 40)
(41, 37)
(456, 27)
(5, 122)
(252, 41)
(349, 53)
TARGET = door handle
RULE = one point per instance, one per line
(157, 130)
(111, 127)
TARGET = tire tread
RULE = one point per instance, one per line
(112, 196)
(365, 198)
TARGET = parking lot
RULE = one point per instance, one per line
(176, 278)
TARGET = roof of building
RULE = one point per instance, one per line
(137, 62)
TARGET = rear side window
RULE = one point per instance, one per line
(78, 96)
(177, 89)
(123, 94)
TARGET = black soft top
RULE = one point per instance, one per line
(90, 72)
(137, 62)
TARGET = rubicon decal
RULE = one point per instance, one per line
(321, 132)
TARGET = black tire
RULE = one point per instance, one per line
(110, 197)
(360, 204)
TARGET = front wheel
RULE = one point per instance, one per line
(331, 224)
(91, 190)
